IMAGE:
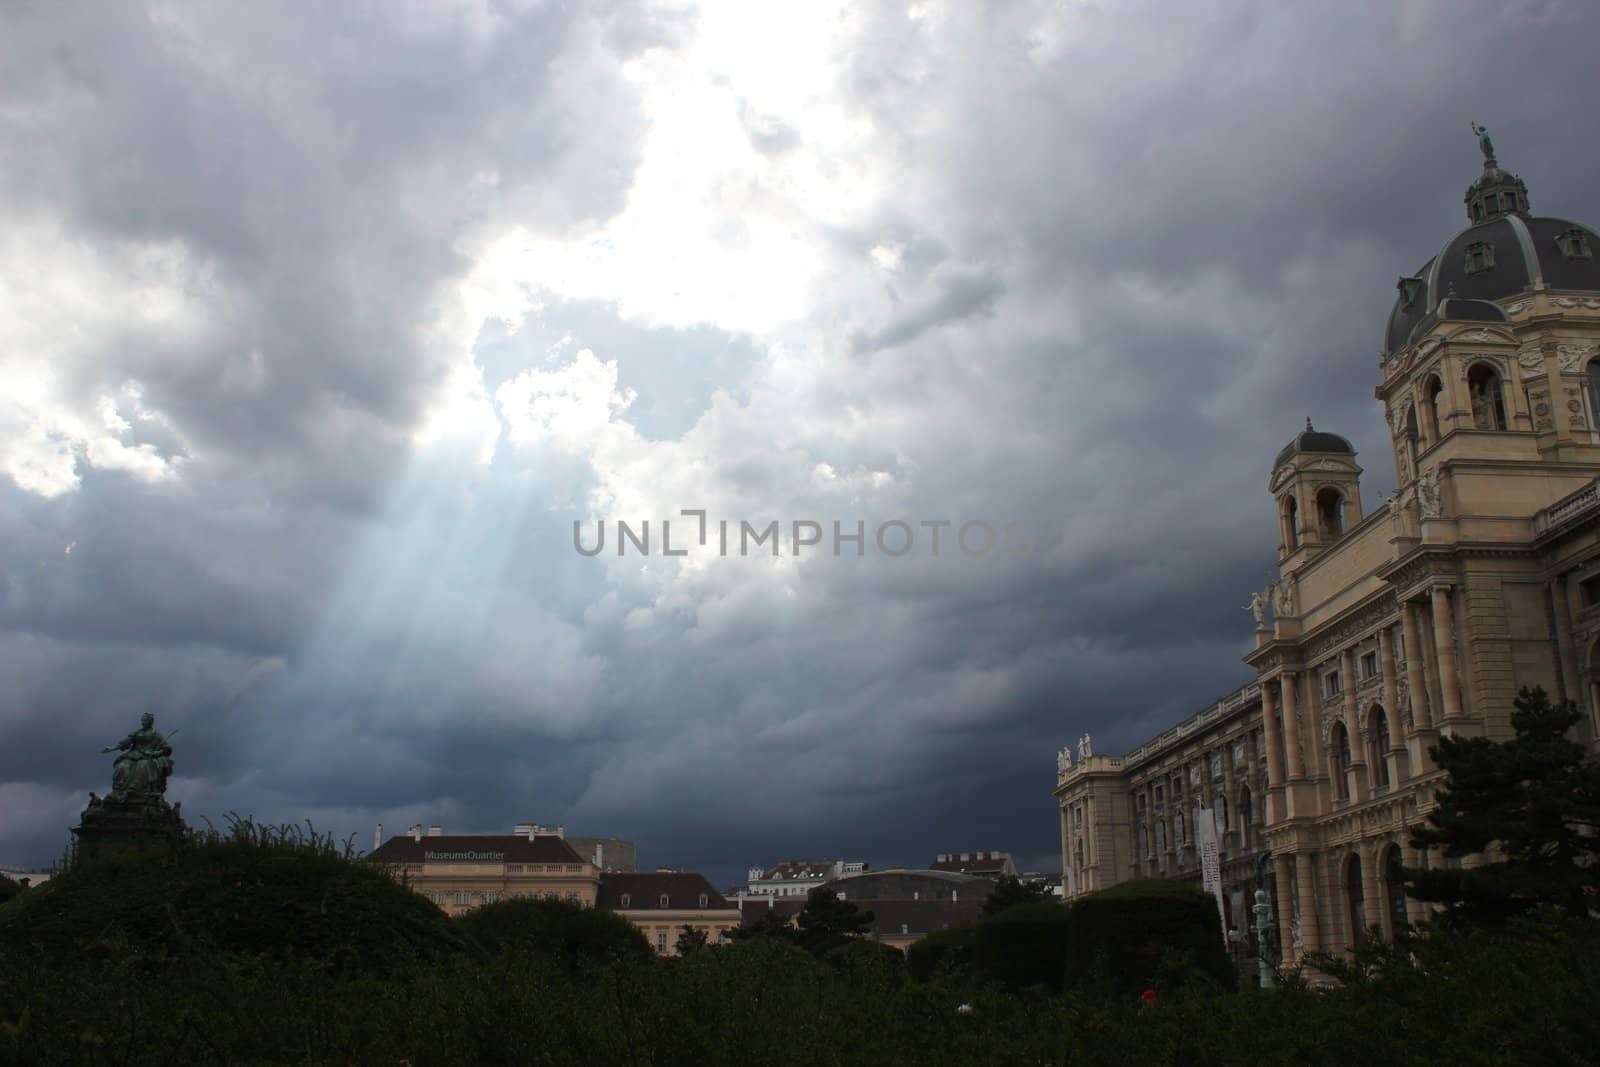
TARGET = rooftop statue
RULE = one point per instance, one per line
(145, 763)
(1484, 144)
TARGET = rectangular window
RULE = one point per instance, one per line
(661, 943)
(1330, 684)
(1369, 665)
(1591, 591)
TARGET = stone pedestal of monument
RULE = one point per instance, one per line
(133, 822)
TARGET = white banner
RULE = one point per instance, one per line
(1205, 839)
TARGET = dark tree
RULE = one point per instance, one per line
(691, 940)
(1529, 806)
(1010, 891)
(828, 922)
(769, 926)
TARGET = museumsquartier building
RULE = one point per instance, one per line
(1392, 626)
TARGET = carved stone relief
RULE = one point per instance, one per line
(1575, 407)
(1573, 302)
(1571, 356)
(1539, 401)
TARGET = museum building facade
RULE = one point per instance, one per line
(1392, 626)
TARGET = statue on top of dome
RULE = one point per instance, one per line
(1486, 145)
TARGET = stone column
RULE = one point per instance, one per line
(1230, 788)
(1286, 905)
(1416, 910)
(1444, 639)
(1274, 740)
(1421, 734)
(1556, 589)
(1306, 892)
(1291, 729)
(1391, 698)
(1356, 785)
(1371, 888)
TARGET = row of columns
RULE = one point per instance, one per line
(1289, 788)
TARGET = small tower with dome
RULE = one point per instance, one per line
(1316, 488)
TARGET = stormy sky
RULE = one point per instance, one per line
(321, 325)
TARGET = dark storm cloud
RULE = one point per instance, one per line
(1134, 249)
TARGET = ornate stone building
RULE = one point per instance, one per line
(1391, 627)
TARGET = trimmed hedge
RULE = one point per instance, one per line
(276, 892)
(571, 935)
(951, 949)
(1145, 934)
(1025, 945)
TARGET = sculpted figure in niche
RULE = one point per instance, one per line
(1284, 605)
(1428, 493)
(1482, 408)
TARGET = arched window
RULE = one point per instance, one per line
(1339, 756)
(1244, 817)
(664, 902)
(1432, 391)
(704, 900)
(1394, 888)
(1330, 513)
(1488, 397)
(1357, 903)
(1291, 523)
(1378, 726)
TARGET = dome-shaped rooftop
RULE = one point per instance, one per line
(1503, 253)
(1310, 440)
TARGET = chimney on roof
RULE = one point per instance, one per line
(523, 829)
(599, 855)
(377, 838)
(966, 855)
(415, 831)
(434, 831)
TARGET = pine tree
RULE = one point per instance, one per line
(1529, 806)
(769, 925)
(828, 922)
(1009, 891)
(691, 940)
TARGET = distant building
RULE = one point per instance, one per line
(906, 905)
(662, 903)
(796, 878)
(988, 864)
(461, 871)
(606, 853)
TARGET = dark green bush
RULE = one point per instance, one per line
(277, 891)
(951, 951)
(1146, 934)
(1025, 945)
(1522, 995)
(8, 888)
(569, 934)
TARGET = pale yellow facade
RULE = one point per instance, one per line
(1393, 626)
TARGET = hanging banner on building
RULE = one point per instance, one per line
(1205, 839)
